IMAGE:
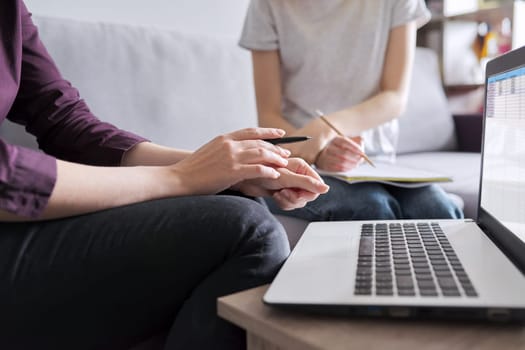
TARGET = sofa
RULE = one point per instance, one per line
(181, 89)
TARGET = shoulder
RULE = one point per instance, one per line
(404, 11)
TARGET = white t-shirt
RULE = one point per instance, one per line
(332, 53)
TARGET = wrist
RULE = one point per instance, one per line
(180, 182)
(323, 136)
(327, 133)
(168, 182)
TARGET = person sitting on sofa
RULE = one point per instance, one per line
(137, 239)
(352, 59)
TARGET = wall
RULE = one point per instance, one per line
(220, 17)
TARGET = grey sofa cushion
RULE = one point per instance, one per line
(427, 124)
(156, 82)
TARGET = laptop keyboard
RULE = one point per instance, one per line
(409, 259)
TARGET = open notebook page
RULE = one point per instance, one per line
(390, 173)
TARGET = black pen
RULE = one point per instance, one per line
(287, 139)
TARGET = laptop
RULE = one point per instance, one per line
(455, 269)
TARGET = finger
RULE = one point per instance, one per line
(347, 167)
(355, 143)
(299, 166)
(301, 195)
(331, 161)
(338, 164)
(287, 200)
(340, 155)
(351, 159)
(296, 198)
(346, 164)
(256, 134)
(256, 171)
(266, 145)
(304, 182)
(347, 144)
(262, 156)
(357, 139)
(335, 167)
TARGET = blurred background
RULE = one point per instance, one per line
(464, 33)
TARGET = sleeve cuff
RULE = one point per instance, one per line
(113, 149)
(421, 17)
(31, 183)
(258, 46)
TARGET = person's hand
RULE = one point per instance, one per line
(341, 154)
(320, 134)
(230, 159)
(297, 185)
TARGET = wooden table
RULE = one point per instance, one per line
(272, 329)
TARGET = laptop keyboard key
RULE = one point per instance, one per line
(412, 254)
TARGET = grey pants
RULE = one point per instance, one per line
(111, 279)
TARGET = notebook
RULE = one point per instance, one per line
(390, 173)
(454, 269)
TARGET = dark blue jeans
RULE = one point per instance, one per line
(375, 201)
(114, 278)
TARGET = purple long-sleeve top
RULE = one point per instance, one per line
(34, 94)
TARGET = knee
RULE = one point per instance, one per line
(444, 209)
(376, 210)
(362, 201)
(375, 207)
(433, 203)
(260, 234)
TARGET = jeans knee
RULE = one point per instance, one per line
(375, 211)
(261, 234)
(436, 208)
(444, 210)
(375, 207)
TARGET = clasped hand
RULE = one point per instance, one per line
(241, 160)
(341, 154)
(327, 150)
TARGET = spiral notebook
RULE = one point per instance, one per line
(390, 173)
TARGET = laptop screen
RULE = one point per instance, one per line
(503, 174)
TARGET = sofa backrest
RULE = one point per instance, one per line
(177, 89)
(427, 124)
(181, 89)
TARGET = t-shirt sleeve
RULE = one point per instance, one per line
(259, 32)
(405, 11)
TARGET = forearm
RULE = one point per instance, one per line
(81, 189)
(379, 109)
(267, 80)
(275, 120)
(147, 153)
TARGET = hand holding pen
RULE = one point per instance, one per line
(327, 122)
